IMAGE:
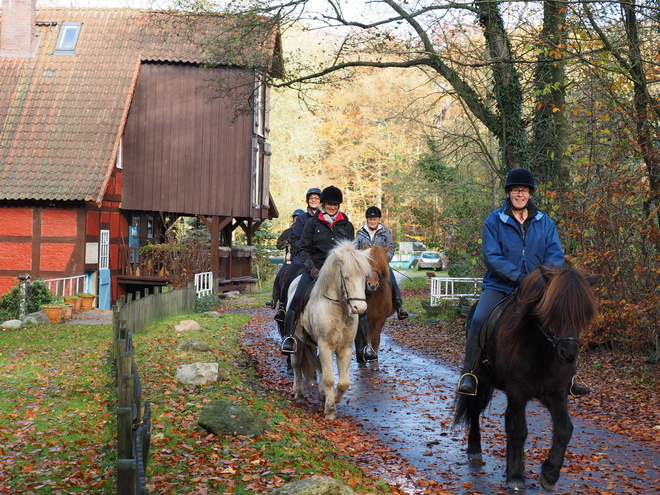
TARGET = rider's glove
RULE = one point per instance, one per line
(314, 272)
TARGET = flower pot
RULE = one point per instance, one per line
(54, 313)
(68, 313)
(74, 300)
(87, 302)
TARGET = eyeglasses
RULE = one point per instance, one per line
(524, 192)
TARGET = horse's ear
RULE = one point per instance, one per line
(367, 245)
(594, 279)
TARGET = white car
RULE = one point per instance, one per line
(430, 260)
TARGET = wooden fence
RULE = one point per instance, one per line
(134, 428)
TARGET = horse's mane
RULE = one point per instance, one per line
(352, 260)
(558, 299)
(379, 261)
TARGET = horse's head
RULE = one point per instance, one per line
(564, 304)
(348, 267)
(380, 268)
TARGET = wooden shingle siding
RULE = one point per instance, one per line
(185, 149)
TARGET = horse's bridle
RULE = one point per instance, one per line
(344, 292)
(559, 344)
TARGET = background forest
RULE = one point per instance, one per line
(422, 107)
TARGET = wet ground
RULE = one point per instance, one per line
(408, 404)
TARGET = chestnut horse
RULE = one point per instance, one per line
(379, 302)
(531, 354)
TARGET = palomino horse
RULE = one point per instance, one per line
(531, 354)
(379, 303)
(329, 322)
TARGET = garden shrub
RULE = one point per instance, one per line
(37, 295)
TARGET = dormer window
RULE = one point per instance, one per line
(68, 38)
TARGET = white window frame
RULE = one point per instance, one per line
(104, 250)
(68, 27)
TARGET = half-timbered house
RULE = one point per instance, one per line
(116, 122)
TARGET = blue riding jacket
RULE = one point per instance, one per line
(511, 252)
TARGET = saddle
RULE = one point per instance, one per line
(488, 327)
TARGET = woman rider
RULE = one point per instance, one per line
(313, 199)
(283, 242)
(516, 239)
(375, 233)
(320, 235)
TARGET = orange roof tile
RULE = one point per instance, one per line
(61, 116)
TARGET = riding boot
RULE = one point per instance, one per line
(289, 343)
(368, 353)
(577, 390)
(467, 383)
(401, 313)
(280, 314)
(397, 300)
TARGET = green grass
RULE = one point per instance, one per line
(58, 415)
(56, 422)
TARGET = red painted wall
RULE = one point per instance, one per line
(43, 242)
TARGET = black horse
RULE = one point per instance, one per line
(531, 353)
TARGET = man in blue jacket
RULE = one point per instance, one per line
(516, 239)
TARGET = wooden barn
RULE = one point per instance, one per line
(115, 123)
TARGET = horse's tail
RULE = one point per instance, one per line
(467, 406)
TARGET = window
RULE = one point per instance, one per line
(150, 227)
(68, 38)
(104, 250)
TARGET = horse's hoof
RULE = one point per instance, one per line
(546, 484)
(475, 457)
(515, 484)
(375, 366)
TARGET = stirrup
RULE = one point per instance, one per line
(577, 390)
(366, 349)
(295, 345)
(476, 384)
(280, 315)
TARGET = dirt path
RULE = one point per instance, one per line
(408, 407)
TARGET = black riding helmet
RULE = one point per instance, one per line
(520, 177)
(332, 194)
(373, 211)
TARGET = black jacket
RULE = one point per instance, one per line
(318, 238)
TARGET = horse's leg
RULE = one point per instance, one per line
(516, 434)
(327, 381)
(374, 338)
(343, 366)
(562, 433)
(296, 364)
(474, 431)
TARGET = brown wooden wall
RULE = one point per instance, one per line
(184, 149)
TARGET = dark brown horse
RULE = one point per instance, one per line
(379, 301)
(531, 354)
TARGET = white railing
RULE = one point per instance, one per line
(454, 288)
(67, 286)
(204, 284)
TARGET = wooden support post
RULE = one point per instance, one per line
(126, 476)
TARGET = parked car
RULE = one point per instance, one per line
(431, 260)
